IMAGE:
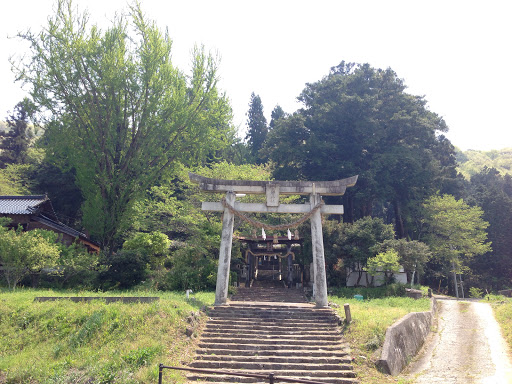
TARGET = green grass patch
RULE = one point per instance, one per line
(503, 311)
(370, 320)
(67, 342)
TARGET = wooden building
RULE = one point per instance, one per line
(36, 212)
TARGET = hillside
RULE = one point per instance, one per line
(471, 161)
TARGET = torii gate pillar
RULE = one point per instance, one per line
(226, 241)
(317, 243)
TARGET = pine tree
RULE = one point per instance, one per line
(258, 129)
(276, 114)
(15, 142)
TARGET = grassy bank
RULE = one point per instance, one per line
(503, 311)
(94, 342)
(66, 342)
(366, 333)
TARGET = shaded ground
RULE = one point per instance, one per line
(467, 348)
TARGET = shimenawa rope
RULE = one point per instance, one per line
(269, 227)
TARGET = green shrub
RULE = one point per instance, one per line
(475, 292)
(140, 357)
(191, 268)
(125, 269)
(395, 289)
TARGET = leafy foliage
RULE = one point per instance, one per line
(492, 191)
(22, 253)
(360, 121)
(386, 262)
(413, 255)
(120, 112)
(455, 232)
(472, 162)
(154, 246)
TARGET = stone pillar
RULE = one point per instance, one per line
(317, 240)
(221, 290)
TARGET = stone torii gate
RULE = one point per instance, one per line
(273, 189)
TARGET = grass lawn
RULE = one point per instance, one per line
(370, 319)
(66, 342)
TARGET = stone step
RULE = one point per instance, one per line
(265, 311)
(272, 341)
(262, 330)
(213, 379)
(218, 379)
(344, 351)
(250, 323)
(327, 358)
(271, 347)
(263, 315)
(270, 366)
(247, 337)
(237, 325)
(301, 374)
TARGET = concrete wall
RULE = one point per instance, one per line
(404, 339)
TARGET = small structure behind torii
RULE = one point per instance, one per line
(273, 189)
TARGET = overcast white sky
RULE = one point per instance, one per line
(458, 54)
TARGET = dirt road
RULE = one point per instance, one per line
(467, 348)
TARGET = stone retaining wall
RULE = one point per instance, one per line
(404, 339)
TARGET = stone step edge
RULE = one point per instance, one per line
(345, 351)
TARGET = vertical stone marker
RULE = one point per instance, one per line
(273, 189)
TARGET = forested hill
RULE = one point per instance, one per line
(471, 162)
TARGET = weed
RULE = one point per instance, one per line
(141, 356)
(475, 292)
(87, 330)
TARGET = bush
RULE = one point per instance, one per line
(475, 292)
(191, 268)
(125, 269)
(395, 289)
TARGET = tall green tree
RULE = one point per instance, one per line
(357, 241)
(277, 113)
(492, 191)
(118, 110)
(359, 120)
(24, 253)
(257, 124)
(413, 255)
(16, 140)
(455, 232)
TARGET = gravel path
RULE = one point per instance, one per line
(467, 348)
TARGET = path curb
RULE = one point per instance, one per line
(404, 339)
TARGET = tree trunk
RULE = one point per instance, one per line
(348, 216)
(455, 280)
(399, 223)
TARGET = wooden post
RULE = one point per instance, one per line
(348, 315)
(317, 240)
(221, 290)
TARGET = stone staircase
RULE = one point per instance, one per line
(258, 336)
(269, 291)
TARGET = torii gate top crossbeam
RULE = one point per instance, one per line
(325, 188)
